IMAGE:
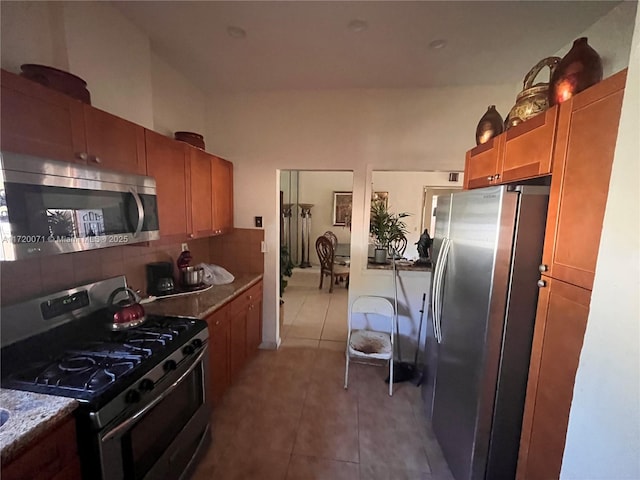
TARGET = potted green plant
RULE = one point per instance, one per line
(384, 227)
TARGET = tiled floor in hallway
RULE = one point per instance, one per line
(288, 416)
(312, 313)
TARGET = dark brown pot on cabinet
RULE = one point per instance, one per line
(191, 138)
(59, 80)
(580, 68)
(489, 126)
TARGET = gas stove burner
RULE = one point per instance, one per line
(81, 371)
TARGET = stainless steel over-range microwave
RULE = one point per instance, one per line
(49, 207)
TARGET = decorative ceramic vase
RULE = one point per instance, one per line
(580, 68)
(533, 99)
(489, 126)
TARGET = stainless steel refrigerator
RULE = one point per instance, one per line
(488, 246)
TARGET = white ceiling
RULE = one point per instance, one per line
(303, 45)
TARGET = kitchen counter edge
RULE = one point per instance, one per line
(31, 415)
(203, 304)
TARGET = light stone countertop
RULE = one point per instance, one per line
(31, 415)
(201, 304)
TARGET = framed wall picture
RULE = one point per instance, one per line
(342, 202)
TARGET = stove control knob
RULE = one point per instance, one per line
(197, 343)
(188, 349)
(132, 396)
(169, 365)
(146, 385)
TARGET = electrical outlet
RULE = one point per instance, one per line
(184, 247)
(263, 246)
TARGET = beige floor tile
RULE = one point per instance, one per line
(337, 346)
(325, 435)
(308, 331)
(251, 463)
(299, 342)
(381, 472)
(313, 468)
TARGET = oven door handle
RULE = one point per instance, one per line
(134, 418)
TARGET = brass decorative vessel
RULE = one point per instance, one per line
(533, 99)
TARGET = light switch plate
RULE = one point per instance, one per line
(184, 247)
(258, 222)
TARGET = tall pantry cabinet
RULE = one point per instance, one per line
(582, 158)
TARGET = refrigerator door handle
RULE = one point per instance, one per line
(445, 255)
(434, 290)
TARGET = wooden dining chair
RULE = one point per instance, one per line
(328, 267)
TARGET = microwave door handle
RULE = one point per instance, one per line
(140, 207)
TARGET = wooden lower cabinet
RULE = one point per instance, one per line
(219, 334)
(254, 320)
(235, 333)
(561, 322)
(238, 341)
(51, 457)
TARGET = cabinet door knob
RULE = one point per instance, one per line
(542, 268)
(97, 159)
(542, 283)
(496, 176)
(191, 235)
(82, 155)
(490, 177)
(218, 322)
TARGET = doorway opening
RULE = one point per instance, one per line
(313, 203)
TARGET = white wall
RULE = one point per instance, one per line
(610, 36)
(177, 104)
(603, 439)
(359, 130)
(317, 188)
(406, 195)
(96, 42)
(32, 32)
(113, 56)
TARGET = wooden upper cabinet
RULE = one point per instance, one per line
(114, 143)
(39, 121)
(201, 192)
(528, 147)
(585, 144)
(561, 321)
(483, 163)
(222, 180)
(36, 120)
(167, 163)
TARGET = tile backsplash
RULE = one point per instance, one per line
(238, 252)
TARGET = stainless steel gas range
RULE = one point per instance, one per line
(143, 413)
